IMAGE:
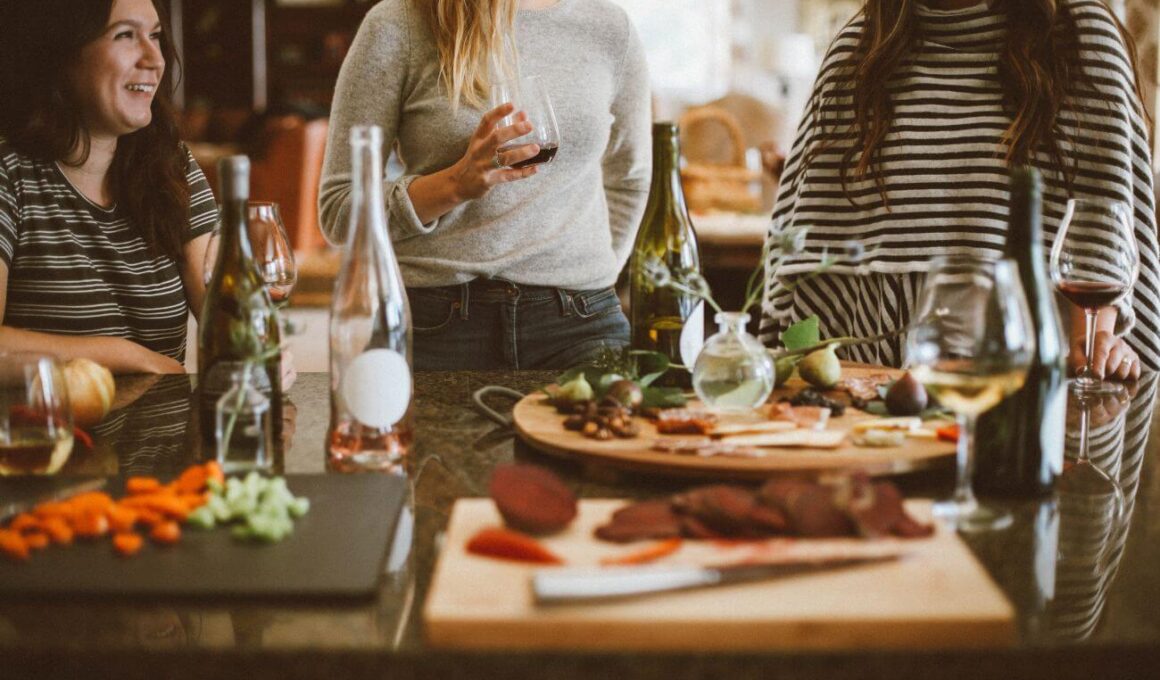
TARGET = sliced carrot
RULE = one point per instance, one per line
(150, 517)
(213, 470)
(647, 554)
(13, 545)
(127, 543)
(166, 533)
(193, 501)
(37, 540)
(192, 480)
(59, 509)
(137, 485)
(90, 525)
(58, 530)
(92, 501)
(511, 545)
(24, 522)
(121, 518)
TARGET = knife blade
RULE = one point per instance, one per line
(578, 585)
(9, 510)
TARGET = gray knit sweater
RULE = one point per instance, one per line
(572, 224)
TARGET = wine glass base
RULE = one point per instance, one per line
(970, 517)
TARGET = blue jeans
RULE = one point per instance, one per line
(499, 325)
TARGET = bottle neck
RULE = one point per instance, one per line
(734, 322)
(235, 239)
(368, 215)
(666, 176)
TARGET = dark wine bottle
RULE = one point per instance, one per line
(238, 323)
(665, 320)
(1020, 441)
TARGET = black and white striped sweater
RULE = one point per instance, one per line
(946, 179)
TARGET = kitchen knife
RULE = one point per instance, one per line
(578, 585)
(8, 510)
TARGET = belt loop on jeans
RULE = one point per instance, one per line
(464, 299)
(567, 304)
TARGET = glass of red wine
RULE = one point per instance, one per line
(528, 94)
(1094, 264)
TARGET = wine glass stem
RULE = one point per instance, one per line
(1084, 424)
(965, 460)
(1089, 341)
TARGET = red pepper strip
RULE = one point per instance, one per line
(646, 554)
(510, 545)
(83, 437)
(948, 433)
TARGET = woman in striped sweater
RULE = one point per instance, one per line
(104, 215)
(919, 111)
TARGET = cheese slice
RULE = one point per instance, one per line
(923, 433)
(905, 423)
(806, 439)
(754, 427)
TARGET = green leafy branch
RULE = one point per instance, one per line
(640, 366)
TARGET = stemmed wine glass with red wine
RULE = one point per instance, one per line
(528, 94)
(1094, 264)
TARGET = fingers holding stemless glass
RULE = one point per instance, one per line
(481, 168)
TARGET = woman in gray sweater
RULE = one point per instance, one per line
(504, 267)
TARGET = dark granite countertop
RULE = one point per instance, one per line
(1086, 591)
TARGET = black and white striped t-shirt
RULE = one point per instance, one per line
(75, 268)
(946, 178)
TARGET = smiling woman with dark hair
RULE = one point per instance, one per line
(104, 215)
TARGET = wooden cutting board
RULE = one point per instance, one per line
(937, 596)
(538, 424)
(337, 550)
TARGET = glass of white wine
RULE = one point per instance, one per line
(36, 427)
(971, 344)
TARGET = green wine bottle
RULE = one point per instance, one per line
(238, 323)
(665, 320)
(1020, 442)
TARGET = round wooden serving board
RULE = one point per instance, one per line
(538, 424)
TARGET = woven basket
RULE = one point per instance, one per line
(715, 176)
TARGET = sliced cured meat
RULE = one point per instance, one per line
(685, 421)
(641, 521)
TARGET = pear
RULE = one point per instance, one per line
(821, 367)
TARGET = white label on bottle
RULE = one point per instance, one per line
(1053, 429)
(693, 336)
(377, 387)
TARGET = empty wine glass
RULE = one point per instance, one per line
(36, 428)
(971, 345)
(1094, 264)
(528, 94)
(270, 247)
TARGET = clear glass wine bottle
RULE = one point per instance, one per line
(370, 331)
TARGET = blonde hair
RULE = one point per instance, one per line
(473, 39)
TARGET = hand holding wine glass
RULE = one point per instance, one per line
(529, 96)
(1094, 264)
(971, 345)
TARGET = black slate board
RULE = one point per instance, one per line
(336, 550)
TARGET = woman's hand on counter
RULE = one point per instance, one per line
(1112, 358)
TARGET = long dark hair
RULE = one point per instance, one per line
(1038, 70)
(39, 42)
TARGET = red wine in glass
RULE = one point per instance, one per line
(546, 154)
(1091, 294)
